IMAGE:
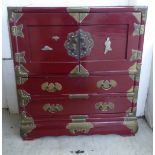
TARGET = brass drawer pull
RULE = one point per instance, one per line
(78, 96)
(79, 118)
(51, 87)
(52, 108)
(79, 124)
(83, 127)
(106, 84)
(104, 106)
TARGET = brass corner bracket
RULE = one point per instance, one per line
(27, 124)
(131, 123)
(78, 13)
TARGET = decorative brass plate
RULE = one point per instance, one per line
(79, 44)
(78, 13)
(132, 97)
(51, 87)
(106, 84)
(138, 29)
(15, 16)
(21, 74)
(24, 98)
(79, 70)
(104, 106)
(27, 124)
(17, 31)
(136, 55)
(52, 108)
(20, 57)
(134, 71)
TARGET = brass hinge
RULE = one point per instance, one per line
(138, 29)
(136, 55)
(24, 98)
(19, 57)
(17, 30)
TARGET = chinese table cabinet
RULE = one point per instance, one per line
(77, 69)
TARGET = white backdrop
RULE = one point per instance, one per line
(9, 93)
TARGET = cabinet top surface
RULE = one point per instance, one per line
(79, 9)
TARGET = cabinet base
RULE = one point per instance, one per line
(126, 127)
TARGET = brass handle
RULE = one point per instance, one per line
(79, 118)
(51, 87)
(79, 124)
(52, 108)
(106, 84)
(104, 106)
(83, 127)
(78, 96)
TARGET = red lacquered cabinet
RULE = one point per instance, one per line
(77, 69)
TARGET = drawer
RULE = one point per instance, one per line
(77, 104)
(82, 126)
(65, 85)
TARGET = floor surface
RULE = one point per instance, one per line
(140, 144)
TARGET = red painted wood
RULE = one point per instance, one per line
(39, 25)
(76, 106)
(77, 84)
(100, 127)
(42, 26)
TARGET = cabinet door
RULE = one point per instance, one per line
(39, 42)
(115, 38)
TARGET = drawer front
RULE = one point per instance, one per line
(56, 127)
(72, 104)
(66, 85)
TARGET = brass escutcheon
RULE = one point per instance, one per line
(106, 84)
